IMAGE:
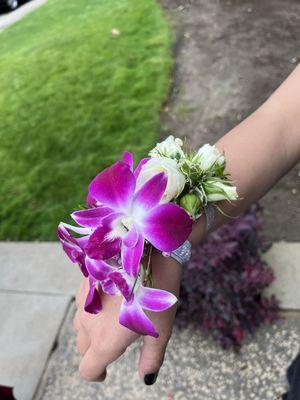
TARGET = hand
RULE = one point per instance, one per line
(101, 339)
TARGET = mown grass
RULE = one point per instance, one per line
(72, 97)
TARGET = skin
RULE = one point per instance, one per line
(273, 129)
(101, 339)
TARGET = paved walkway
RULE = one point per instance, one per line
(37, 288)
(194, 369)
(12, 17)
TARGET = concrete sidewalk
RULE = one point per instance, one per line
(194, 368)
(37, 289)
(37, 286)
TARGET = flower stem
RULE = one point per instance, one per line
(148, 271)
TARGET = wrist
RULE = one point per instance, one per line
(166, 272)
(198, 232)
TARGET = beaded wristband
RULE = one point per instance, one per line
(183, 253)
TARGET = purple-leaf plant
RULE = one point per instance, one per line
(108, 245)
(222, 288)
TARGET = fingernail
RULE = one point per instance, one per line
(149, 379)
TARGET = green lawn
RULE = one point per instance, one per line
(72, 97)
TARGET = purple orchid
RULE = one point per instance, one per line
(115, 281)
(111, 238)
(74, 248)
(124, 219)
(138, 298)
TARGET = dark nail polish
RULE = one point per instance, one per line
(149, 379)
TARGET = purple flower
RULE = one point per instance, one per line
(74, 248)
(124, 218)
(138, 298)
(93, 303)
(111, 238)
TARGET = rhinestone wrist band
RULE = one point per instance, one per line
(183, 253)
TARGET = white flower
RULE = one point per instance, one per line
(217, 191)
(170, 147)
(176, 180)
(207, 156)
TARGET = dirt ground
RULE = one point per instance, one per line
(230, 56)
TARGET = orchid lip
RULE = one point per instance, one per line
(128, 221)
(119, 230)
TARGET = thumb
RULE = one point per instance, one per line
(152, 357)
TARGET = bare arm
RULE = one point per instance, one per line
(261, 149)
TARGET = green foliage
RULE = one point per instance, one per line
(73, 96)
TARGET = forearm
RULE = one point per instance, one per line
(260, 150)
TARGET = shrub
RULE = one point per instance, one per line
(222, 287)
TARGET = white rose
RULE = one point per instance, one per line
(176, 180)
(170, 147)
(217, 191)
(207, 156)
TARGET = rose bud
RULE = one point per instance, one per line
(191, 203)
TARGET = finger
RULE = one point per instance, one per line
(93, 366)
(83, 341)
(103, 352)
(152, 357)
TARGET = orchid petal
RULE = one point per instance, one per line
(76, 255)
(91, 201)
(128, 159)
(99, 269)
(72, 248)
(77, 229)
(133, 317)
(91, 217)
(124, 285)
(109, 287)
(140, 165)
(131, 256)
(110, 218)
(155, 299)
(130, 240)
(151, 192)
(82, 266)
(64, 235)
(101, 245)
(93, 303)
(166, 227)
(114, 187)
(82, 241)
